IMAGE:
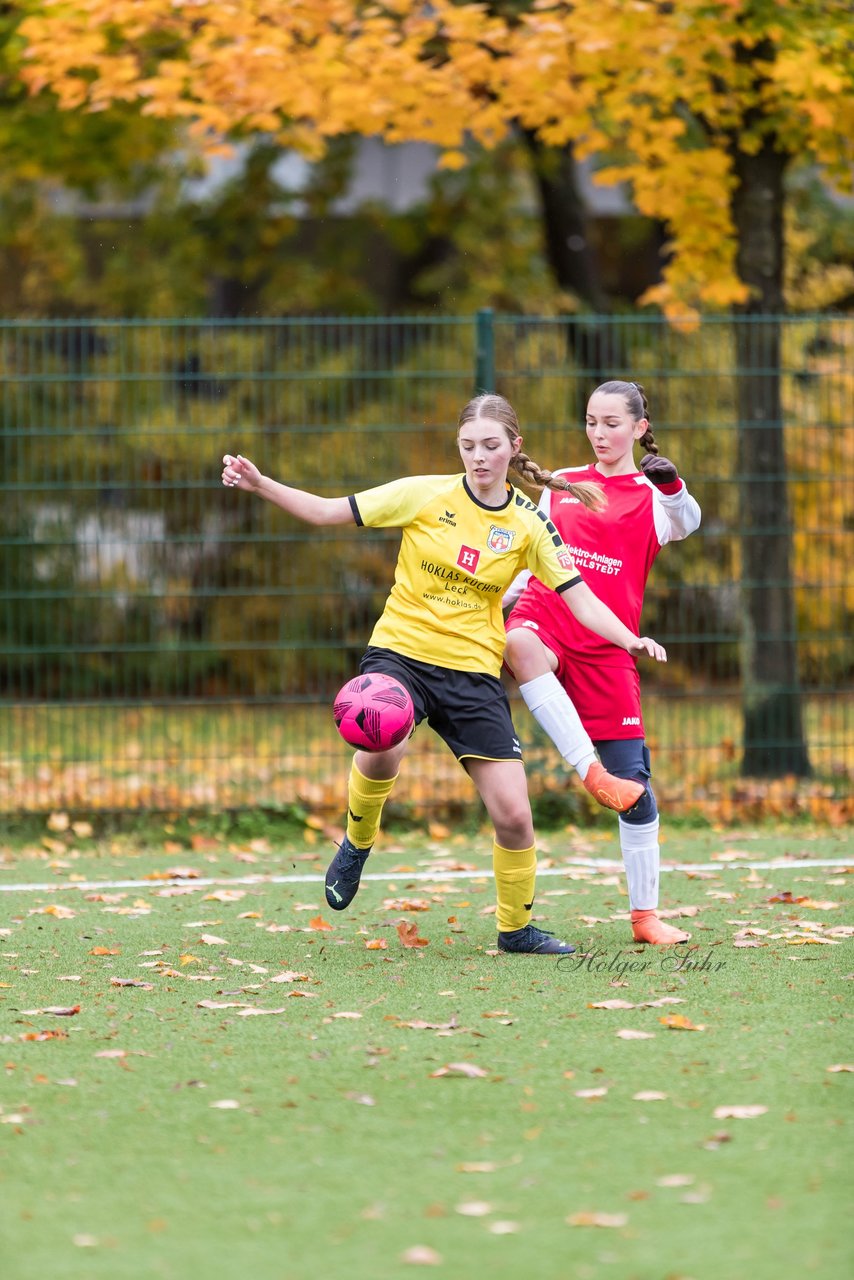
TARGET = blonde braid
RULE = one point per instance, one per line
(586, 491)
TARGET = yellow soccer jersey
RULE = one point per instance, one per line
(456, 559)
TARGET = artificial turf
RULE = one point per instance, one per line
(439, 1105)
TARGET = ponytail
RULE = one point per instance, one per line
(586, 491)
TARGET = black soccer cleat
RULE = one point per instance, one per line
(532, 941)
(343, 875)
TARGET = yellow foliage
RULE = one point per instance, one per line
(664, 88)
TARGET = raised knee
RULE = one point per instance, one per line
(525, 655)
(646, 809)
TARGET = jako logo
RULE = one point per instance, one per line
(631, 719)
(448, 518)
(563, 500)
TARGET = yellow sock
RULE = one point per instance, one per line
(515, 875)
(365, 800)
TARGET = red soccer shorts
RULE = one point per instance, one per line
(606, 698)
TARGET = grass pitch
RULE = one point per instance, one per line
(234, 1087)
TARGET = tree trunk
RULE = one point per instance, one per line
(596, 346)
(774, 741)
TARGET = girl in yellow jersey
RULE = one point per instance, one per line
(441, 634)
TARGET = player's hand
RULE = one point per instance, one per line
(658, 470)
(645, 645)
(239, 473)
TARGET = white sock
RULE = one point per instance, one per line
(641, 859)
(553, 710)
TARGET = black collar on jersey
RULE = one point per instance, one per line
(484, 505)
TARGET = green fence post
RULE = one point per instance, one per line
(484, 370)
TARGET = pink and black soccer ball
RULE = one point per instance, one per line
(373, 712)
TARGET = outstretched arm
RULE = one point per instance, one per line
(239, 473)
(592, 613)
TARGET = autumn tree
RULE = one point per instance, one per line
(701, 106)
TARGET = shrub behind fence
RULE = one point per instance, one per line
(168, 644)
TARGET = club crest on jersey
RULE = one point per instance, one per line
(468, 558)
(499, 539)
(565, 560)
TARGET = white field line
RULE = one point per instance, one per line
(589, 864)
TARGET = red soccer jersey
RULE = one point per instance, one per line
(613, 550)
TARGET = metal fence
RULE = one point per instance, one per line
(169, 644)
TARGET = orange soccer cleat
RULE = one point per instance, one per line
(646, 927)
(614, 793)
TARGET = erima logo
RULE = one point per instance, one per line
(631, 719)
(448, 518)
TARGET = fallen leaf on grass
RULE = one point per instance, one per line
(627, 1033)
(225, 1104)
(675, 1180)
(648, 1095)
(485, 1166)
(364, 1099)
(739, 1113)
(468, 1070)
(62, 1010)
(221, 1004)
(785, 896)
(376, 944)
(408, 934)
(44, 1035)
(421, 1255)
(717, 1140)
(611, 1004)
(841, 1066)
(111, 1053)
(318, 923)
(105, 951)
(290, 975)
(406, 904)
(343, 1014)
(597, 1219)
(61, 913)
(419, 1024)
(211, 940)
(474, 1208)
(591, 1093)
(678, 1022)
(502, 1227)
(251, 1012)
(131, 982)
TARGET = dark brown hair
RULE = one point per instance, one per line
(501, 411)
(637, 404)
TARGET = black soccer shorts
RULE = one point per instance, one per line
(469, 710)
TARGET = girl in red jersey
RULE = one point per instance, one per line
(581, 689)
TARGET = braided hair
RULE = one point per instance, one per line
(637, 404)
(501, 411)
